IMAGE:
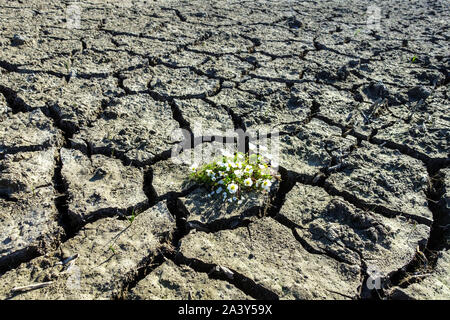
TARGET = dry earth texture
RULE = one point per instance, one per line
(92, 207)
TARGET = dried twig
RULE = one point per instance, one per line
(30, 287)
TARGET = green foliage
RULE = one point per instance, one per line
(231, 176)
(133, 216)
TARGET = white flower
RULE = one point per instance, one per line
(194, 167)
(240, 201)
(232, 188)
(240, 156)
(221, 164)
(238, 173)
(219, 190)
(248, 169)
(248, 182)
(230, 200)
(209, 172)
(232, 164)
(213, 178)
(226, 153)
(234, 198)
(266, 184)
(220, 182)
(238, 164)
(224, 195)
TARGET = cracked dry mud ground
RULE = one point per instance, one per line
(87, 117)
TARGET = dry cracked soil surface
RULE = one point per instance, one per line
(91, 93)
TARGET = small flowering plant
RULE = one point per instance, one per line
(232, 175)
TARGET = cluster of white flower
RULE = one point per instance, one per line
(233, 174)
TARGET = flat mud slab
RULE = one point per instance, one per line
(171, 282)
(105, 105)
(312, 148)
(270, 256)
(28, 216)
(99, 186)
(212, 212)
(384, 180)
(97, 262)
(329, 225)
